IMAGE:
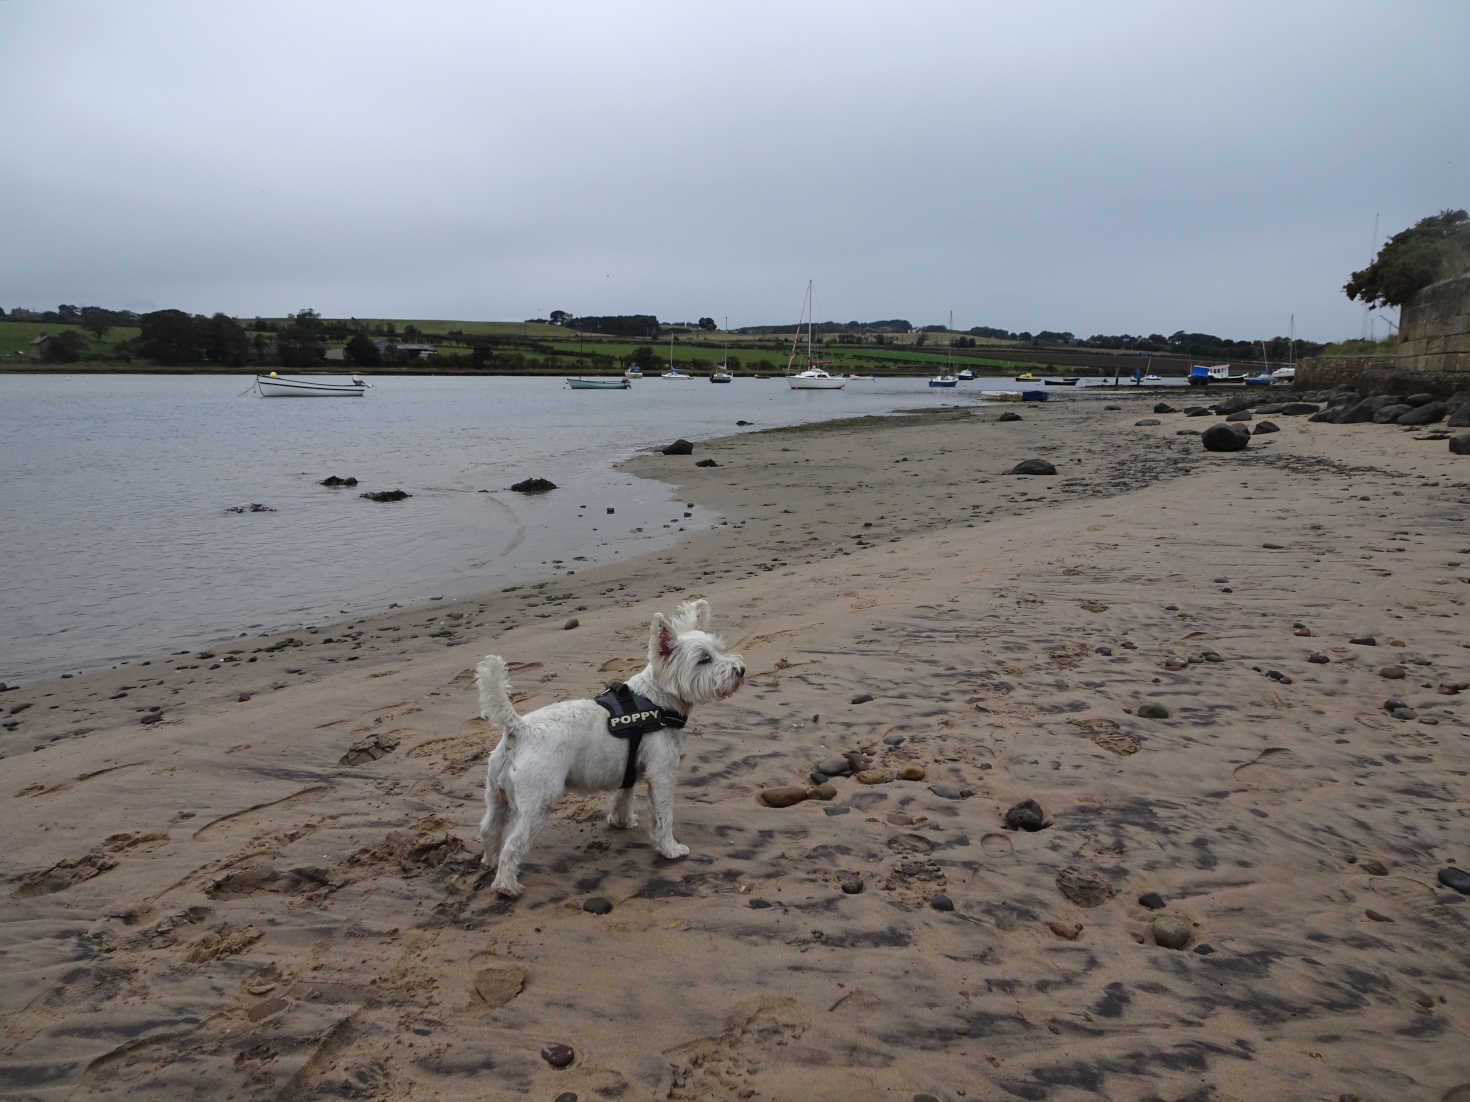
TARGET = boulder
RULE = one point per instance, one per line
(386, 495)
(534, 486)
(1225, 438)
(1265, 427)
(1009, 415)
(679, 447)
(1460, 445)
(1033, 466)
(1424, 413)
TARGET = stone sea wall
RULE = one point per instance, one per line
(1433, 353)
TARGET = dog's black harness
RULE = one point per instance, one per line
(630, 716)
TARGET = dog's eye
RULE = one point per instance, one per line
(704, 659)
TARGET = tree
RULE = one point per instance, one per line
(303, 341)
(362, 351)
(96, 321)
(170, 337)
(225, 341)
(642, 356)
(65, 347)
(707, 323)
(560, 317)
(1434, 248)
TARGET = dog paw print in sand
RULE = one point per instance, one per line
(456, 755)
(728, 1064)
(62, 875)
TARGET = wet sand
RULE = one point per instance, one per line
(252, 871)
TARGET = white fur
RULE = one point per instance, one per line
(567, 745)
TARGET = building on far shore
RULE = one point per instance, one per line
(392, 350)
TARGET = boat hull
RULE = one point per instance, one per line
(598, 384)
(1034, 396)
(944, 382)
(281, 387)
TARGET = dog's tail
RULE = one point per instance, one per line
(494, 684)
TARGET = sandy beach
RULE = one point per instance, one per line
(1234, 684)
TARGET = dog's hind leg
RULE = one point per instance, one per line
(620, 813)
(661, 828)
(492, 826)
(526, 814)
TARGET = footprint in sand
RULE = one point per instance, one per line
(1269, 768)
(996, 845)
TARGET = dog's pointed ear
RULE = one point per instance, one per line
(661, 638)
(692, 616)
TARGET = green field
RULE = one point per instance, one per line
(16, 337)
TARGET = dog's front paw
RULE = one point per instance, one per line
(674, 850)
(510, 889)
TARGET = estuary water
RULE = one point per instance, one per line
(119, 539)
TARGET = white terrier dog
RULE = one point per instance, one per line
(570, 744)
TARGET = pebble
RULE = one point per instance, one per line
(597, 906)
(1152, 900)
(1152, 711)
(558, 1056)
(1318, 657)
(850, 882)
(1392, 673)
(835, 767)
(911, 773)
(1376, 917)
(941, 902)
(949, 791)
(1026, 815)
(570, 624)
(1171, 932)
(893, 740)
(816, 776)
(759, 904)
(1364, 641)
(1065, 931)
(1086, 889)
(873, 776)
(783, 797)
(821, 792)
(861, 698)
(1457, 879)
(566, 1096)
(1204, 950)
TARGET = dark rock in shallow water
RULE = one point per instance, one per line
(333, 480)
(679, 447)
(1033, 466)
(1224, 438)
(534, 486)
(386, 495)
(1026, 815)
(257, 507)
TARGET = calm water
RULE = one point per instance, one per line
(118, 539)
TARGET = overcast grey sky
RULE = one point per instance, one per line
(1098, 167)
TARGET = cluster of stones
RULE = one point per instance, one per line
(1342, 406)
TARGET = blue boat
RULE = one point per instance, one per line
(1034, 396)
